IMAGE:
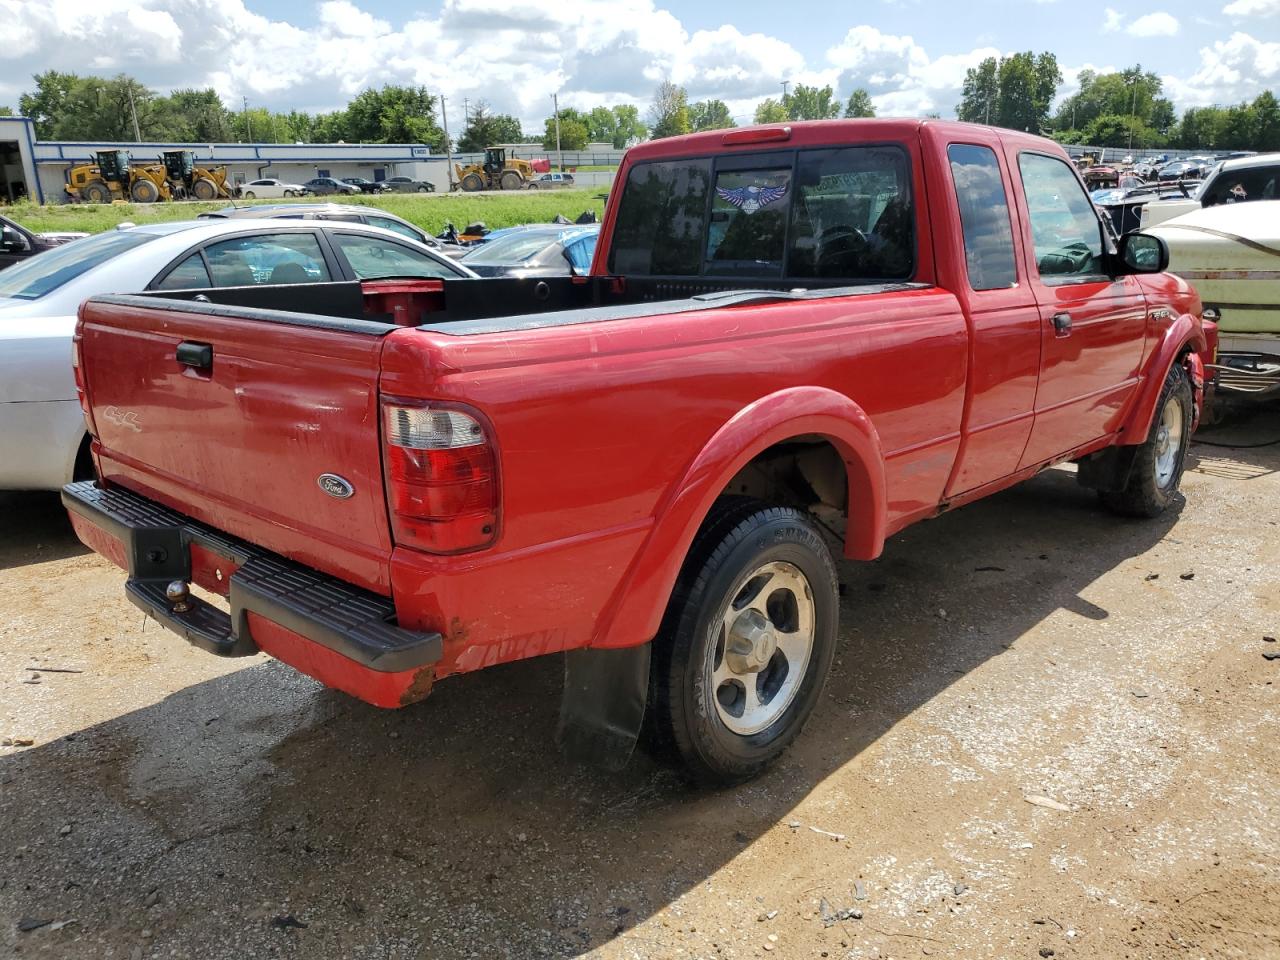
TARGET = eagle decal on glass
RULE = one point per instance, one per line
(751, 198)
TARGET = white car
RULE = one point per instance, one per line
(1232, 181)
(43, 443)
(270, 190)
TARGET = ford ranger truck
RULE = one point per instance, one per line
(793, 342)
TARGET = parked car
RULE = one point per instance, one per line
(1180, 170)
(42, 433)
(642, 467)
(17, 243)
(1232, 181)
(269, 189)
(346, 212)
(367, 186)
(549, 181)
(1228, 252)
(409, 185)
(534, 251)
(327, 186)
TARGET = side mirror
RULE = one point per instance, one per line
(12, 241)
(1143, 253)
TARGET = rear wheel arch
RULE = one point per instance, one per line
(808, 420)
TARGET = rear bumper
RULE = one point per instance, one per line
(340, 634)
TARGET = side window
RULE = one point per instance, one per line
(1064, 228)
(372, 258)
(852, 215)
(984, 215)
(395, 226)
(748, 229)
(580, 252)
(661, 219)
(267, 258)
(190, 274)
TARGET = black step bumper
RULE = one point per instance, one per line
(352, 622)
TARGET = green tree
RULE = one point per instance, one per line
(392, 114)
(602, 125)
(1267, 110)
(859, 105)
(1202, 128)
(198, 115)
(980, 94)
(771, 111)
(6, 111)
(484, 129)
(629, 130)
(710, 115)
(48, 103)
(1116, 130)
(811, 103)
(669, 112)
(573, 131)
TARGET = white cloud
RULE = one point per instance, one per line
(1159, 24)
(1231, 70)
(1111, 20)
(1252, 8)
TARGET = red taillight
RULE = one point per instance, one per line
(82, 393)
(442, 476)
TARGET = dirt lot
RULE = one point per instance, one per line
(1028, 650)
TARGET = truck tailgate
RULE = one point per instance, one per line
(242, 443)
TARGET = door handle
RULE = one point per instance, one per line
(1062, 324)
(198, 355)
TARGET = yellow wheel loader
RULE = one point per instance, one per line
(496, 173)
(112, 177)
(189, 182)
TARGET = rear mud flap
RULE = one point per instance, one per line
(603, 706)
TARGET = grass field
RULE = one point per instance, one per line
(429, 211)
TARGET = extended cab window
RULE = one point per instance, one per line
(1064, 228)
(662, 220)
(984, 216)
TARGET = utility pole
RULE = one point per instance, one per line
(248, 126)
(1133, 111)
(555, 104)
(448, 144)
(137, 134)
(466, 113)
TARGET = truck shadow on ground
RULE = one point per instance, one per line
(454, 828)
(1242, 446)
(34, 529)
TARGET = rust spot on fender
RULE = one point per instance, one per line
(420, 687)
(458, 630)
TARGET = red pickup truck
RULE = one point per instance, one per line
(792, 338)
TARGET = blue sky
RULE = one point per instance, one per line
(910, 54)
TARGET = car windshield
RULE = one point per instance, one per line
(47, 272)
(516, 248)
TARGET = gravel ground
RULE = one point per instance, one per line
(1048, 733)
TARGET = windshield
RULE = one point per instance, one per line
(47, 272)
(516, 248)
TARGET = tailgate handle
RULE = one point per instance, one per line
(198, 355)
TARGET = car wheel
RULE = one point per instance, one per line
(423, 189)
(746, 643)
(249, 195)
(1157, 464)
(290, 194)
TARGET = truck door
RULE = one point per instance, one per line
(1092, 325)
(1004, 321)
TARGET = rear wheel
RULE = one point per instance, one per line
(472, 182)
(144, 191)
(96, 192)
(423, 189)
(511, 180)
(747, 641)
(1157, 464)
(205, 189)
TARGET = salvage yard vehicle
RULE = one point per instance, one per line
(114, 176)
(17, 243)
(270, 189)
(1232, 181)
(326, 186)
(348, 212)
(409, 185)
(1231, 253)
(536, 251)
(786, 343)
(188, 180)
(43, 443)
(367, 186)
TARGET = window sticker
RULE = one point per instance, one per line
(752, 197)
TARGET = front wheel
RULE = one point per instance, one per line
(289, 193)
(1157, 464)
(249, 195)
(747, 641)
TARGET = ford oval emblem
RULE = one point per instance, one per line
(335, 486)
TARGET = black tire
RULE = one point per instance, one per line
(144, 191)
(472, 182)
(249, 195)
(96, 192)
(205, 189)
(1147, 493)
(685, 721)
(511, 181)
(424, 189)
(289, 194)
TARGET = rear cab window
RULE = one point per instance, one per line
(984, 216)
(833, 214)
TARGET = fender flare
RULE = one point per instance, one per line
(1183, 333)
(641, 600)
